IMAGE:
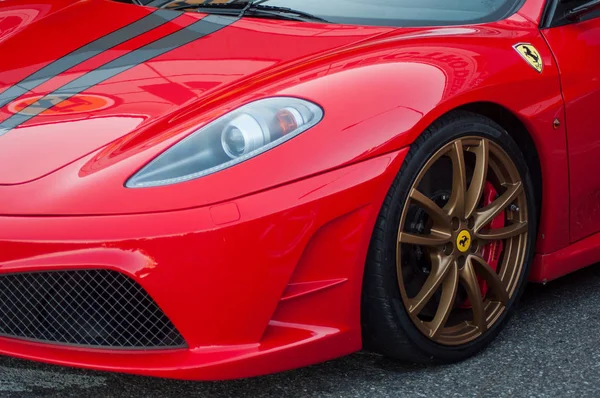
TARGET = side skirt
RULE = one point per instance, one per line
(578, 255)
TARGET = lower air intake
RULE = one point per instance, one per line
(94, 308)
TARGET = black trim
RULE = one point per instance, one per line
(548, 14)
(204, 27)
(556, 13)
(86, 52)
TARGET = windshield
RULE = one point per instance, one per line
(403, 12)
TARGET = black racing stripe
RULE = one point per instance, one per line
(86, 52)
(204, 27)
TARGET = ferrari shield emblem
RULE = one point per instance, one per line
(531, 55)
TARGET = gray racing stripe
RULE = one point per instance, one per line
(86, 52)
(204, 27)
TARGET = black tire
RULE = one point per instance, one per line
(386, 324)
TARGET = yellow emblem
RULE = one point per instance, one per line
(531, 55)
(463, 241)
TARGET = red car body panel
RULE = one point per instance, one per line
(284, 235)
(582, 96)
(241, 314)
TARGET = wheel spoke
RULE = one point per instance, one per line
(484, 216)
(516, 229)
(456, 204)
(449, 287)
(437, 214)
(475, 191)
(433, 239)
(469, 281)
(439, 271)
(492, 278)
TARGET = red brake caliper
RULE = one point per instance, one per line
(490, 252)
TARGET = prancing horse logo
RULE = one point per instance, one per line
(463, 241)
(531, 55)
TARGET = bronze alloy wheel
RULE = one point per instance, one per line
(453, 243)
(455, 238)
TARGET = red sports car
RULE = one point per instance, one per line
(222, 189)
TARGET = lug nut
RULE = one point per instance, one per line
(514, 208)
(448, 249)
(455, 224)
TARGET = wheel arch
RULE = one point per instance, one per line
(519, 132)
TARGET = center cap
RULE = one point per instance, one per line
(463, 241)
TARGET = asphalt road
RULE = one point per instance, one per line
(550, 349)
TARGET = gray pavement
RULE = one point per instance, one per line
(550, 349)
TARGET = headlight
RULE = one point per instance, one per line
(234, 138)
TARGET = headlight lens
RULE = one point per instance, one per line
(234, 138)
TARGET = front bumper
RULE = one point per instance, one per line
(260, 284)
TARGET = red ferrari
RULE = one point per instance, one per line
(222, 189)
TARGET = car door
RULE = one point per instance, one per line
(575, 43)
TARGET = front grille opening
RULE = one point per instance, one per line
(94, 308)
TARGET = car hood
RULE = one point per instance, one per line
(77, 76)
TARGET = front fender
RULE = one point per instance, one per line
(383, 100)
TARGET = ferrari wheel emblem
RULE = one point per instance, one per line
(463, 241)
(531, 55)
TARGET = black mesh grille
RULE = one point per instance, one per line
(97, 308)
